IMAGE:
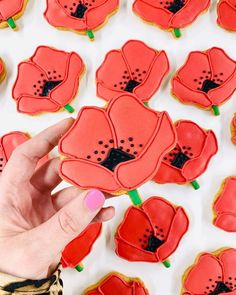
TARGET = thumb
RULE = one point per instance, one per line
(66, 224)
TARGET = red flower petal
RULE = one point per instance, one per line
(12, 140)
(198, 279)
(189, 13)
(10, 9)
(32, 105)
(80, 247)
(169, 174)
(89, 175)
(160, 213)
(225, 206)
(149, 12)
(228, 259)
(226, 14)
(179, 227)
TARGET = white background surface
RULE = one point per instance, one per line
(204, 33)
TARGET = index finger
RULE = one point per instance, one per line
(25, 158)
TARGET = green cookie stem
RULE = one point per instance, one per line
(11, 23)
(69, 108)
(166, 263)
(135, 198)
(177, 32)
(146, 104)
(195, 184)
(90, 34)
(216, 110)
(79, 268)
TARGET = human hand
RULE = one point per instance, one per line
(35, 224)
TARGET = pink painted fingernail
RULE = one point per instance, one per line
(94, 200)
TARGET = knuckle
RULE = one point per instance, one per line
(68, 224)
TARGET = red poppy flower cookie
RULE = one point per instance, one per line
(123, 71)
(81, 16)
(226, 10)
(48, 81)
(11, 11)
(190, 157)
(207, 79)
(2, 70)
(9, 142)
(170, 15)
(151, 232)
(80, 247)
(117, 284)
(233, 129)
(225, 206)
(117, 148)
(212, 274)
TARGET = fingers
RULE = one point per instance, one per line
(67, 224)
(46, 178)
(104, 215)
(25, 158)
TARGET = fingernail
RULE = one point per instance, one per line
(94, 200)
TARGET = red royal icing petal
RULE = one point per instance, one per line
(227, 14)
(228, 260)
(10, 9)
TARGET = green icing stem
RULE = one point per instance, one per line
(177, 32)
(166, 263)
(11, 23)
(216, 110)
(195, 184)
(90, 34)
(146, 104)
(135, 198)
(69, 108)
(79, 268)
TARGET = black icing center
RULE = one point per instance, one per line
(48, 86)
(179, 160)
(220, 288)
(207, 85)
(131, 85)
(153, 243)
(176, 5)
(80, 11)
(115, 157)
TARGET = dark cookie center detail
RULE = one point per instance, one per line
(115, 157)
(176, 5)
(131, 85)
(80, 11)
(180, 160)
(207, 85)
(220, 288)
(153, 244)
(48, 86)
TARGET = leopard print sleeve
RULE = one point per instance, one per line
(17, 286)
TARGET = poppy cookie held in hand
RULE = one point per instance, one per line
(81, 16)
(151, 232)
(207, 79)
(9, 142)
(226, 11)
(117, 284)
(212, 274)
(190, 157)
(11, 11)
(122, 71)
(225, 206)
(80, 247)
(48, 81)
(170, 15)
(116, 149)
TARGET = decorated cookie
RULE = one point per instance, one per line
(207, 79)
(151, 232)
(124, 71)
(8, 143)
(2, 70)
(212, 274)
(117, 284)
(233, 129)
(48, 81)
(80, 247)
(81, 16)
(190, 157)
(11, 11)
(226, 10)
(170, 15)
(118, 148)
(225, 206)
